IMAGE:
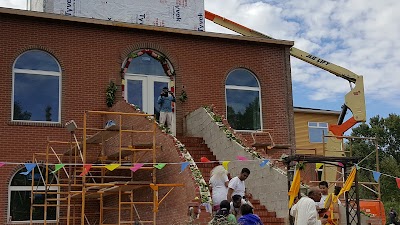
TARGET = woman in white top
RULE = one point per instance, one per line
(219, 184)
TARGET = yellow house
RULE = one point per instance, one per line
(310, 126)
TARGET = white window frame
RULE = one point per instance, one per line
(244, 88)
(39, 73)
(29, 189)
(320, 125)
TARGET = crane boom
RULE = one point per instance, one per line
(354, 100)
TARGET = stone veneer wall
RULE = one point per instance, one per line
(267, 184)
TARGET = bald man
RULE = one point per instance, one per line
(306, 211)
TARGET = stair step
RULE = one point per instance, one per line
(190, 139)
(198, 149)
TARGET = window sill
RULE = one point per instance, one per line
(34, 221)
(34, 124)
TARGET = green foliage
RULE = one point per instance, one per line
(183, 97)
(19, 113)
(248, 120)
(110, 94)
(387, 133)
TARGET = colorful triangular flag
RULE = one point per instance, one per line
(86, 169)
(57, 167)
(349, 182)
(318, 165)
(137, 166)
(112, 166)
(398, 182)
(225, 164)
(184, 165)
(294, 188)
(376, 175)
(160, 165)
(2, 164)
(264, 162)
(29, 167)
(241, 158)
(340, 164)
(204, 159)
(357, 167)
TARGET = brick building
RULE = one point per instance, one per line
(54, 68)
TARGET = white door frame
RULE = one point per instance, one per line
(148, 92)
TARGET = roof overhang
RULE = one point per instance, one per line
(313, 110)
(141, 27)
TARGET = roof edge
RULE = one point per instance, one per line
(141, 27)
(313, 110)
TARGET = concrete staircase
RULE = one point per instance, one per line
(197, 148)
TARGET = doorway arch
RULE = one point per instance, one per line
(144, 74)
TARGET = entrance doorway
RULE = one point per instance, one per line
(145, 79)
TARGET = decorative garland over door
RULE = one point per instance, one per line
(166, 65)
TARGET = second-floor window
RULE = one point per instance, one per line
(36, 88)
(243, 104)
(316, 131)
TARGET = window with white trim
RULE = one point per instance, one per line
(20, 195)
(243, 105)
(316, 131)
(36, 88)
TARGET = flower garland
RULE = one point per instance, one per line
(162, 59)
(230, 134)
(168, 70)
(205, 194)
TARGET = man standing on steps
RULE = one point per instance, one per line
(236, 186)
(165, 101)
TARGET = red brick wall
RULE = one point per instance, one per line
(91, 55)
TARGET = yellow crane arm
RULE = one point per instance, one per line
(354, 100)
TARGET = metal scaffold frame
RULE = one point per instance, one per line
(78, 185)
(351, 197)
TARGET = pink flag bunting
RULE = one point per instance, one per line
(2, 164)
(137, 166)
(398, 182)
(241, 158)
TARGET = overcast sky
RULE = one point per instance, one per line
(360, 35)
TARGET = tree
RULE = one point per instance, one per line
(48, 113)
(387, 134)
(18, 114)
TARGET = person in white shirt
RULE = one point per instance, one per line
(323, 186)
(236, 185)
(219, 184)
(305, 211)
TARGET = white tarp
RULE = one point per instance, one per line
(184, 14)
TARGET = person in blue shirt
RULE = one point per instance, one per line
(165, 101)
(248, 218)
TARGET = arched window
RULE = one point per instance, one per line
(145, 79)
(19, 196)
(36, 88)
(146, 65)
(243, 105)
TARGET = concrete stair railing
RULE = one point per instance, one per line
(198, 149)
(267, 184)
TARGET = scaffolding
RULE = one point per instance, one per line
(83, 191)
(345, 160)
